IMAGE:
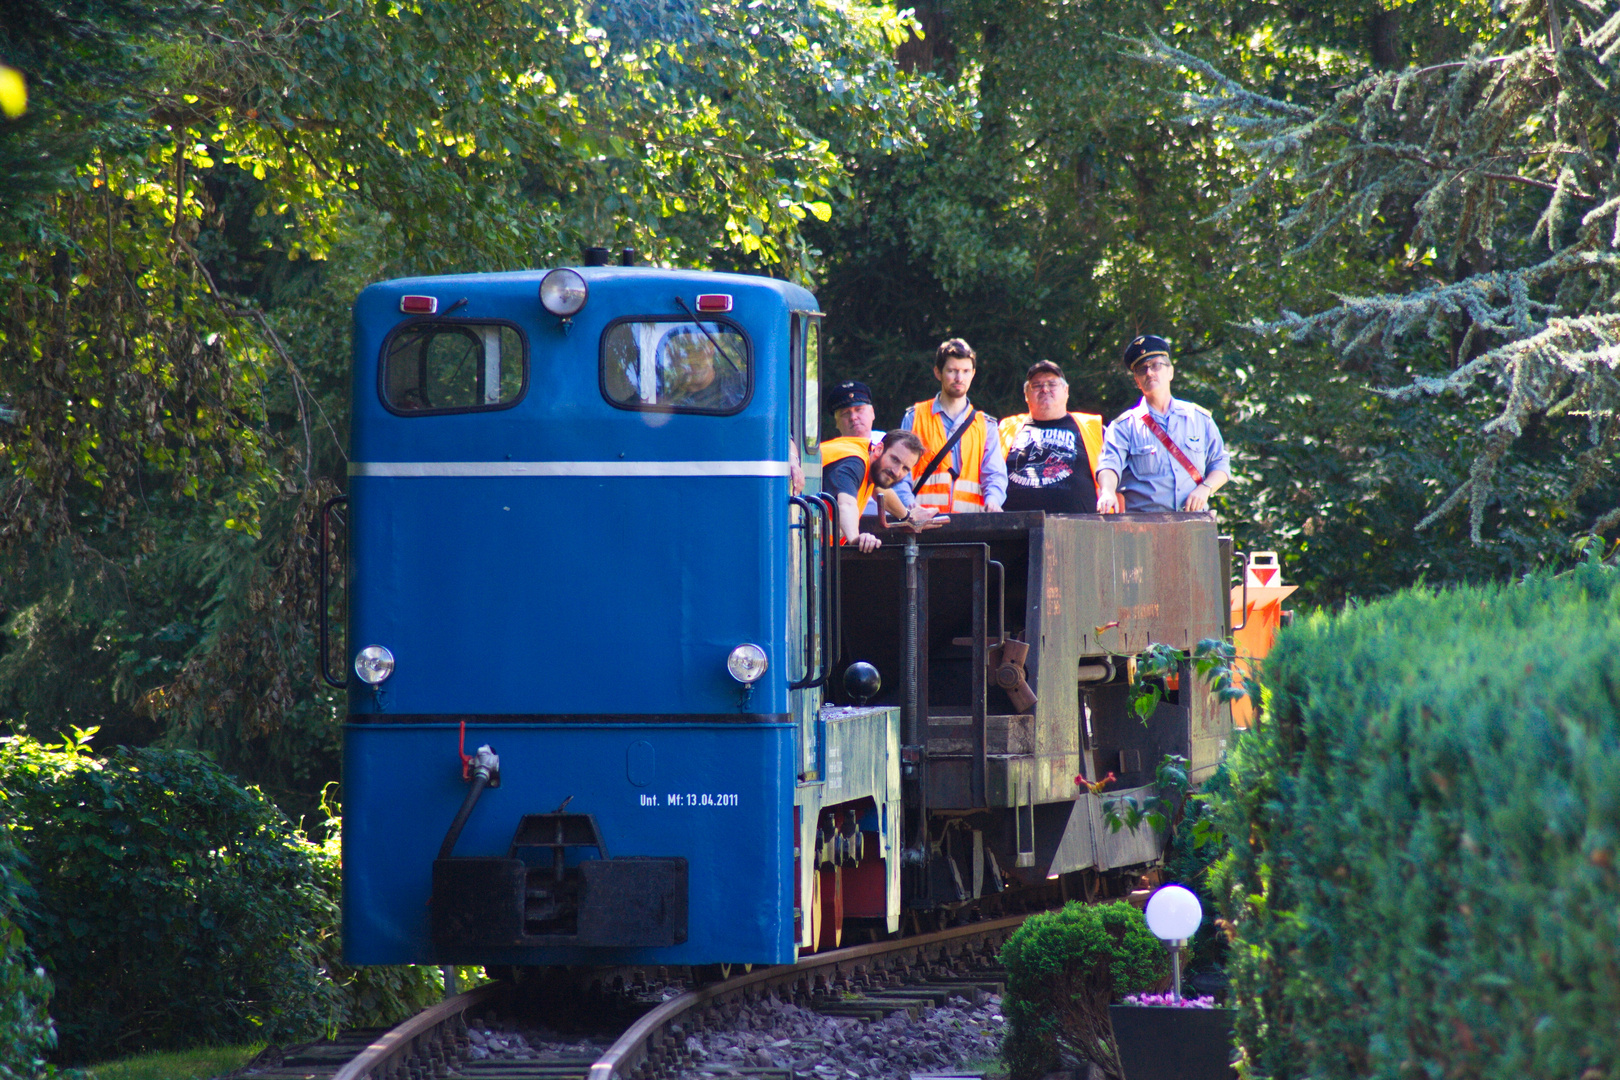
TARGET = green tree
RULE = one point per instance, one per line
(193, 201)
(1489, 171)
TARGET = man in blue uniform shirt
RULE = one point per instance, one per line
(1164, 454)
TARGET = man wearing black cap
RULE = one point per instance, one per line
(1165, 454)
(851, 405)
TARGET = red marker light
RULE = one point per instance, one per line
(419, 305)
(714, 302)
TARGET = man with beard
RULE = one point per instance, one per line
(972, 478)
(852, 469)
(1051, 453)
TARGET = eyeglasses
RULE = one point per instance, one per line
(1046, 387)
(1151, 365)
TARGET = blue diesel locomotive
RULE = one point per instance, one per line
(596, 647)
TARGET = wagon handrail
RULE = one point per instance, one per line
(1245, 601)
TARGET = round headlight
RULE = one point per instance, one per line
(747, 664)
(563, 292)
(374, 664)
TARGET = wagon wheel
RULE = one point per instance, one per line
(830, 893)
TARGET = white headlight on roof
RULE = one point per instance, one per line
(747, 664)
(563, 292)
(374, 664)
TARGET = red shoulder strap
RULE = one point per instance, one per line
(1175, 451)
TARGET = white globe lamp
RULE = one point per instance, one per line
(1174, 914)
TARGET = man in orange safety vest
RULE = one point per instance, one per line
(973, 476)
(854, 469)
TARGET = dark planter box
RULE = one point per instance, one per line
(1160, 1042)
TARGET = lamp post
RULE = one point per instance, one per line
(1174, 914)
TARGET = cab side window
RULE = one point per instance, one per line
(676, 366)
(445, 367)
(807, 340)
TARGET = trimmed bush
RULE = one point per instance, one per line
(1425, 822)
(1064, 968)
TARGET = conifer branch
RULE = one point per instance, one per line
(1492, 154)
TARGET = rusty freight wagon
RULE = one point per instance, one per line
(1003, 646)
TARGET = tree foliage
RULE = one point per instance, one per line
(1091, 201)
(26, 1032)
(1500, 167)
(172, 906)
(191, 202)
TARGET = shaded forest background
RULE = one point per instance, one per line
(1381, 234)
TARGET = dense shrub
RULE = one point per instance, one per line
(1424, 879)
(173, 906)
(26, 1034)
(1064, 968)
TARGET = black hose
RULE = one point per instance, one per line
(479, 782)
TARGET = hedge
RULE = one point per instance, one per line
(1422, 880)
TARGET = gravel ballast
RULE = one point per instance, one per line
(771, 1034)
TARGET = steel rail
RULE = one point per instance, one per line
(375, 1060)
(630, 1052)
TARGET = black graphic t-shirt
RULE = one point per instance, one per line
(1048, 469)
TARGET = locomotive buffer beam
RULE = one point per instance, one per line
(533, 896)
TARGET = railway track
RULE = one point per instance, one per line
(871, 981)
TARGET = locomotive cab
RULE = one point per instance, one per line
(569, 533)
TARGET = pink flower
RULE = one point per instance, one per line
(1168, 1000)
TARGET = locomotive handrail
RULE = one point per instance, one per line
(829, 557)
(835, 584)
(326, 649)
(812, 612)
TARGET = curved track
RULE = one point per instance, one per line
(644, 1044)
(427, 1044)
(427, 1037)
